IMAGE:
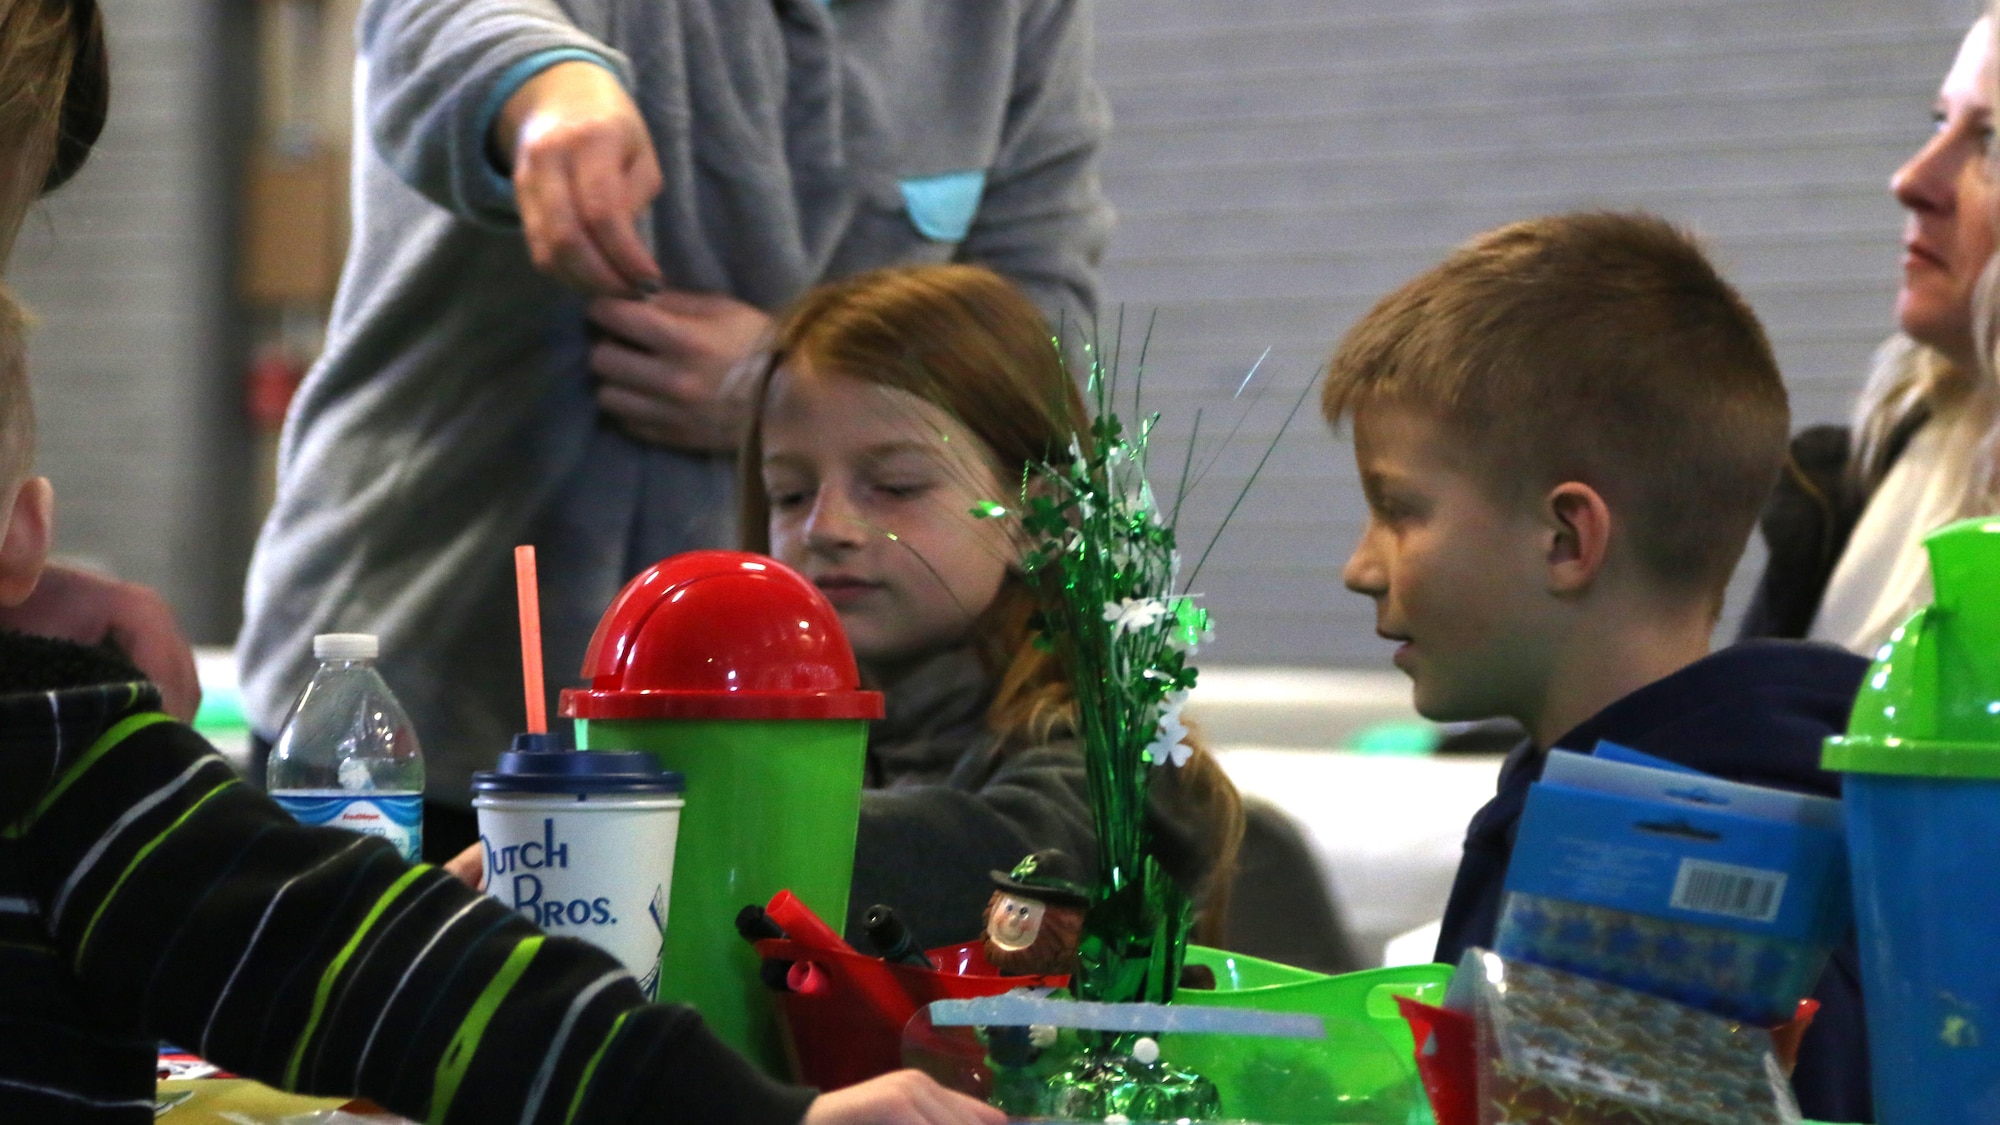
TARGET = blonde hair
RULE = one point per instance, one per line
(1597, 347)
(1909, 382)
(969, 342)
(54, 86)
(54, 94)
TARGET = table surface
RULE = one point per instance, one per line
(241, 1101)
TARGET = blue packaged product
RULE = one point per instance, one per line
(1559, 1049)
(1719, 895)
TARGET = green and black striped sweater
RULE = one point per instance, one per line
(146, 894)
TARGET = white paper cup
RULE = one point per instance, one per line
(582, 845)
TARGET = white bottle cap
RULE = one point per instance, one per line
(345, 646)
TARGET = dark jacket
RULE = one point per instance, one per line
(946, 802)
(1807, 523)
(1756, 712)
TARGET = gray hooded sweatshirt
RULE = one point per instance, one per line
(452, 415)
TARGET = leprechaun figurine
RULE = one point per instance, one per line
(1035, 915)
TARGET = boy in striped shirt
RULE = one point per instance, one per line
(147, 893)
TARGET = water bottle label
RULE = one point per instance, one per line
(397, 818)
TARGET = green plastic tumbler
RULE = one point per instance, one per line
(733, 671)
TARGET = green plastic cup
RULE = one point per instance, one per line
(733, 671)
(771, 806)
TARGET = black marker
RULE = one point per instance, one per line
(755, 925)
(892, 939)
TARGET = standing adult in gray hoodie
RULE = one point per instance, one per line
(571, 221)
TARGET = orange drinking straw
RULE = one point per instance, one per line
(525, 590)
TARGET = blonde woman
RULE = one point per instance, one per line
(1846, 526)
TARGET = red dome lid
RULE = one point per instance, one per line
(720, 635)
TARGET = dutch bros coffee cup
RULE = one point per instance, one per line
(583, 845)
(733, 670)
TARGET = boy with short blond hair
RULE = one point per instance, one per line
(1565, 433)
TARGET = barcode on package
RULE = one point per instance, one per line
(1749, 893)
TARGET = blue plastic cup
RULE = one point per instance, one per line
(1926, 856)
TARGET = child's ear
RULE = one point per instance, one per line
(1580, 522)
(24, 549)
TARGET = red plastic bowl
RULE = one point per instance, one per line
(846, 1026)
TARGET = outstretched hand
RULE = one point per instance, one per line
(906, 1097)
(583, 168)
(92, 609)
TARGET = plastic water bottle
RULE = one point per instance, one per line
(347, 756)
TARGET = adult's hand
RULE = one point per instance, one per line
(905, 1097)
(583, 167)
(91, 608)
(663, 364)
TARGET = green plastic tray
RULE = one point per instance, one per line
(1363, 1073)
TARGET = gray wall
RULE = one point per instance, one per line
(1280, 164)
(1277, 165)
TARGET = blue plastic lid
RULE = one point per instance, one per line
(537, 765)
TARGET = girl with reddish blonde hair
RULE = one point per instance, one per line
(894, 402)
